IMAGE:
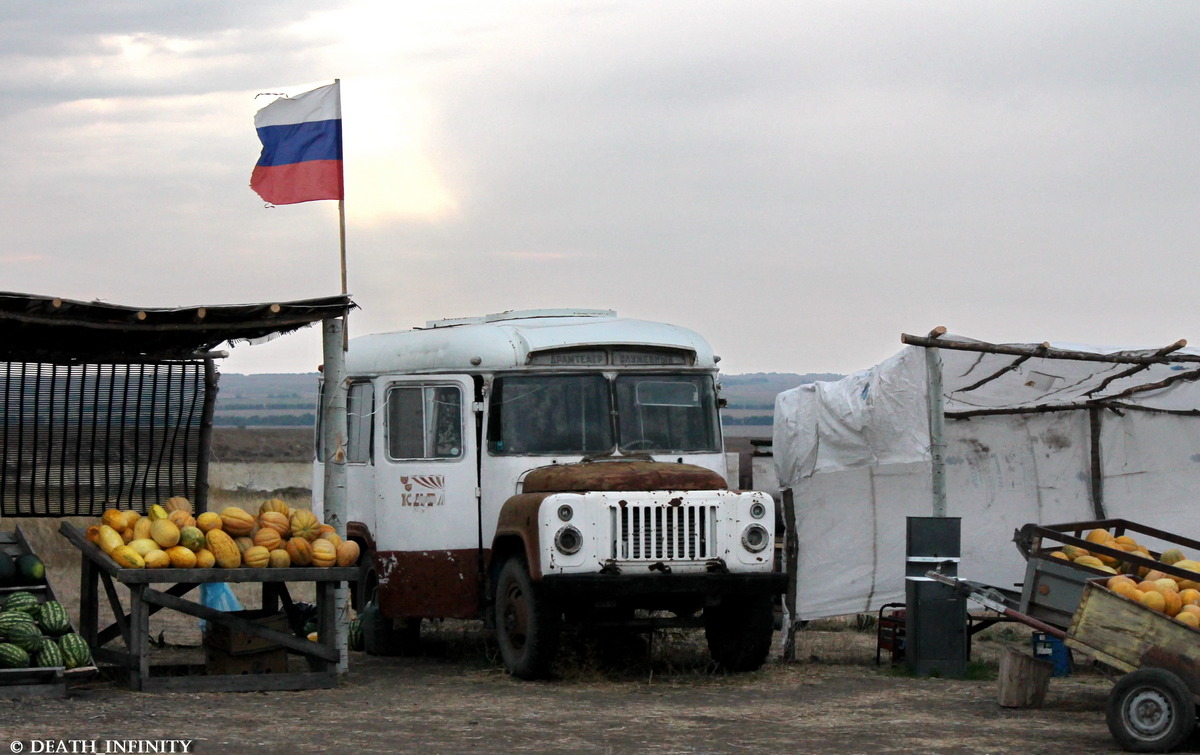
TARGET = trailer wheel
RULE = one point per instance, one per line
(739, 631)
(527, 624)
(1151, 710)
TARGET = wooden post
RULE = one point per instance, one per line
(1023, 680)
(1096, 490)
(206, 427)
(937, 425)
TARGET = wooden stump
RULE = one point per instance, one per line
(1023, 680)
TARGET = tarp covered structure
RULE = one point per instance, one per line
(1033, 433)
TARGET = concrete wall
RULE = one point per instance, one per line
(260, 476)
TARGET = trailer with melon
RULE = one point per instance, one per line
(1154, 657)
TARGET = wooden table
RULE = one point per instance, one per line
(144, 599)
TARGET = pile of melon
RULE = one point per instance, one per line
(1152, 588)
(169, 536)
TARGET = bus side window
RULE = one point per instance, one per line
(424, 422)
(360, 408)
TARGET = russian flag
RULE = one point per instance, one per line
(301, 157)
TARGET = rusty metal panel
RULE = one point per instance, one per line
(615, 475)
(429, 584)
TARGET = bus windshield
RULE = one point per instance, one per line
(574, 414)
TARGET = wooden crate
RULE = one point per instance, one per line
(1127, 635)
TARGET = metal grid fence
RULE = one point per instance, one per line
(80, 438)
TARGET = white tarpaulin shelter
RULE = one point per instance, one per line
(1032, 433)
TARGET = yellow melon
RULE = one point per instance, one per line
(304, 524)
(1171, 602)
(276, 521)
(182, 519)
(268, 538)
(1091, 561)
(157, 559)
(1099, 537)
(1059, 555)
(181, 557)
(209, 520)
(274, 504)
(324, 553)
(236, 521)
(178, 503)
(279, 559)
(165, 533)
(1126, 540)
(143, 545)
(156, 512)
(1190, 595)
(1154, 600)
(205, 559)
(1171, 556)
(114, 518)
(1191, 619)
(1073, 551)
(127, 558)
(141, 528)
(109, 539)
(1166, 584)
(256, 557)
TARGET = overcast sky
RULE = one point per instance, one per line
(801, 182)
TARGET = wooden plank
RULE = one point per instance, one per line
(1134, 635)
(237, 623)
(108, 655)
(89, 609)
(122, 619)
(139, 637)
(241, 682)
(109, 633)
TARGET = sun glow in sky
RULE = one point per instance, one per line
(800, 182)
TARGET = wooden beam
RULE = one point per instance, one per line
(1015, 364)
(1136, 368)
(1048, 352)
(239, 624)
(1177, 377)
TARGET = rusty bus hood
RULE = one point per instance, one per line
(621, 474)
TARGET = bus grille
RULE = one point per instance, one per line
(654, 532)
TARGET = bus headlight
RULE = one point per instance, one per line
(755, 538)
(565, 512)
(569, 540)
(757, 510)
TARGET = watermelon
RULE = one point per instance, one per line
(53, 618)
(49, 656)
(26, 636)
(12, 656)
(8, 570)
(75, 650)
(21, 601)
(9, 619)
(30, 570)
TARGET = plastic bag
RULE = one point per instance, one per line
(219, 596)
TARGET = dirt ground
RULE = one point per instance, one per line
(455, 698)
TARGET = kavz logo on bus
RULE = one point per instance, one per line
(423, 490)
